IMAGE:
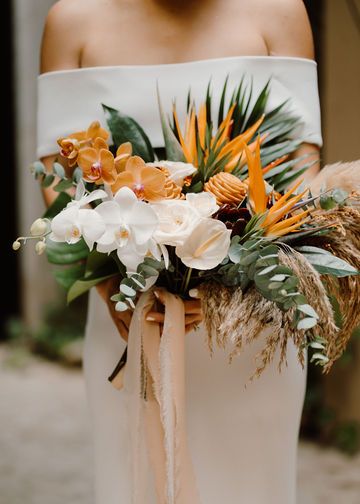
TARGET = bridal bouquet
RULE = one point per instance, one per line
(220, 209)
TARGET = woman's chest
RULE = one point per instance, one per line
(144, 36)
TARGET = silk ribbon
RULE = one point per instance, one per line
(154, 381)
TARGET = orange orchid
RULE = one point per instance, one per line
(97, 163)
(123, 153)
(147, 182)
(275, 222)
(196, 130)
(70, 145)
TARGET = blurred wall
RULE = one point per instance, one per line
(37, 287)
(341, 82)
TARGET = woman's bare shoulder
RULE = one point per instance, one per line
(286, 28)
(65, 33)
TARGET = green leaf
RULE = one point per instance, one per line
(80, 287)
(307, 323)
(63, 185)
(48, 180)
(58, 170)
(127, 290)
(59, 204)
(172, 145)
(66, 277)
(308, 310)
(37, 168)
(267, 270)
(125, 129)
(77, 175)
(322, 359)
(63, 253)
(327, 264)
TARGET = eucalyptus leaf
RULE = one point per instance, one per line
(48, 180)
(63, 185)
(58, 170)
(307, 323)
(37, 168)
(308, 310)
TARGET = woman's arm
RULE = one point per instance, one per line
(287, 32)
(60, 50)
(62, 43)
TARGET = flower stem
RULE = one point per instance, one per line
(186, 281)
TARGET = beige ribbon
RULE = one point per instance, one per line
(154, 379)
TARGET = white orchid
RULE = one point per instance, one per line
(130, 225)
(177, 170)
(206, 246)
(84, 198)
(73, 223)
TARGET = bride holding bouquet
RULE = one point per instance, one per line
(238, 439)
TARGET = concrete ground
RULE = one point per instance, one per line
(45, 445)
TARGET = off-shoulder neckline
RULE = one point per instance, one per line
(179, 64)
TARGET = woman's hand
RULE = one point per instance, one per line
(193, 312)
(122, 319)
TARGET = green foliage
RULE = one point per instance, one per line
(326, 263)
(64, 253)
(125, 129)
(59, 204)
(130, 285)
(172, 145)
(334, 198)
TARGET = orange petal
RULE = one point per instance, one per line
(202, 124)
(95, 130)
(181, 139)
(107, 161)
(256, 189)
(124, 148)
(287, 230)
(153, 178)
(120, 162)
(135, 165)
(281, 201)
(288, 222)
(276, 216)
(86, 158)
(124, 179)
(100, 144)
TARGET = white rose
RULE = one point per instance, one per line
(177, 219)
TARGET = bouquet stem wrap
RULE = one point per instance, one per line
(155, 382)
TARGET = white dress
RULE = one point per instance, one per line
(243, 441)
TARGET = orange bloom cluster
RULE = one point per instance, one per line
(90, 151)
(196, 129)
(281, 218)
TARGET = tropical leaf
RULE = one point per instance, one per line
(66, 277)
(172, 145)
(63, 253)
(59, 204)
(125, 129)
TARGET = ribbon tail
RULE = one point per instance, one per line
(155, 381)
